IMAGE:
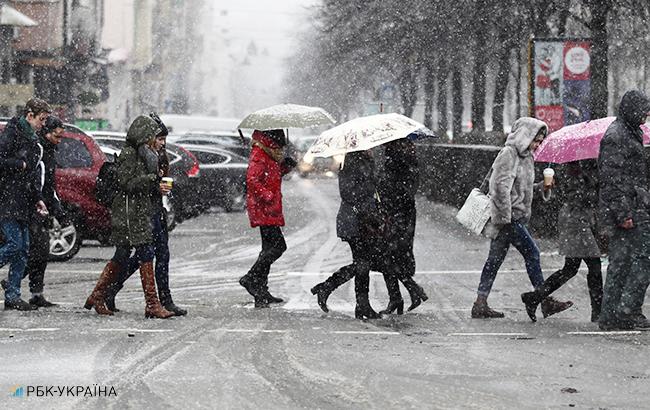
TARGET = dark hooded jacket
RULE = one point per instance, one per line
(132, 209)
(622, 167)
(18, 187)
(358, 199)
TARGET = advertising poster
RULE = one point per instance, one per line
(561, 81)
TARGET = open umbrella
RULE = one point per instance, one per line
(363, 133)
(287, 116)
(577, 142)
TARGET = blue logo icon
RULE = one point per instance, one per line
(17, 391)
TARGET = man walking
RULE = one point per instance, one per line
(20, 154)
(624, 205)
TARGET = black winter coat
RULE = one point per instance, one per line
(18, 187)
(622, 166)
(400, 181)
(357, 190)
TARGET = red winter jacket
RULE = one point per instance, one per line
(263, 185)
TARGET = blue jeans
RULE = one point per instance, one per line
(161, 250)
(15, 251)
(517, 235)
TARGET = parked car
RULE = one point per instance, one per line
(230, 141)
(184, 168)
(79, 159)
(223, 177)
(310, 165)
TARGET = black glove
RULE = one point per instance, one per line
(290, 162)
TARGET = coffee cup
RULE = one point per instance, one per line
(549, 173)
(168, 182)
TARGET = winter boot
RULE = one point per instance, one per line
(596, 304)
(363, 310)
(531, 301)
(551, 306)
(111, 292)
(395, 301)
(416, 292)
(264, 288)
(324, 289)
(168, 303)
(153, 308)
(97, 297)
(248, 282)
(481, 310)
(39, 300)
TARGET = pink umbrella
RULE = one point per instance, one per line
(577, 142)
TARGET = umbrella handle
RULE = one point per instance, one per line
(241, 135)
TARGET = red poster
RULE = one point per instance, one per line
(577, 60)
(552, 115)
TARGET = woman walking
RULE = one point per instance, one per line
(357, 223)
(511, 195)
(266, 167)
(131, 214)
(160, 232)
(578, 239)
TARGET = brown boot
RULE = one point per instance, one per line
(551, 306)
(153, 308)
(96, 298)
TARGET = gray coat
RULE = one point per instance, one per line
(577, 217)
(513, 174)
(357, 189)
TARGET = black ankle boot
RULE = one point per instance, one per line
(264, 293)
(363, 310)
(531, 301)
(322, 292)
(394, 305)
(416, 292)
(167, 302)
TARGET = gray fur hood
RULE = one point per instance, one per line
(523, 133)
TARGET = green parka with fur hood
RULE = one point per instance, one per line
(513, 174)
(131, 210)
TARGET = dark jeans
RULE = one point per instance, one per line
(628, 274)
(161, 253)
(517, 235)
(39, 251)
(273, 246)
(15, 251)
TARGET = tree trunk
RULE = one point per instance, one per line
(429, 90)
(443, 76)
(408, 88)
(599, 61)
(480, 65)
(517, 75)
(501, 85)
(457, 106)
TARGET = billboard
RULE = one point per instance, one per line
(560, 81)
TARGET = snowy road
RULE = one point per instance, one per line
(225, 354)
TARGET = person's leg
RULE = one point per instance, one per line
(324, 289)
(108, 276)
(525, 244)
(161, 249)
(498, 251)
(39, 251)
(361, 255)
(620, 254)
(636, 285)
(256, 280)
(542, 293)
(15, 251)
(595, 284)
(153, 308)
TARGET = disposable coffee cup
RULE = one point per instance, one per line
(549, 173)
(169, 182)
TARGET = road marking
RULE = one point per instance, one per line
(423, 272)
(363, 332)
(136, 330)
(250, 330)
(488, 334)
(613, 333)
(35, 329)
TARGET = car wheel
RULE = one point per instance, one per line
(65, 241)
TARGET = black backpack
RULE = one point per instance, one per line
(107, 186)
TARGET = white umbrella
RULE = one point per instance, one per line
(287, 116)
(364, 133)
(9, 16)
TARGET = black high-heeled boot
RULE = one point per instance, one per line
(416, 292)
(322, 292)
(395, 301)
(363, 310)
(324, 289)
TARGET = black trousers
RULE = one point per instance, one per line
(569, 270)
(273, 246)
(39, 251)
(362, 261)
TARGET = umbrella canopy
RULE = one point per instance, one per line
(287, 116)
(577, 142)
(9, 16)
(364, 133)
